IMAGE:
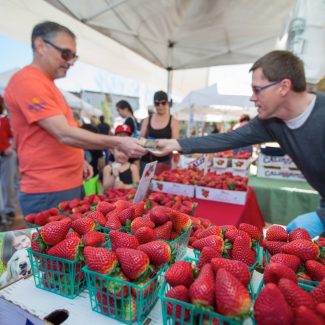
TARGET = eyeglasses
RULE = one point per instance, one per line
(66, 54)
(257, 90)
(162, 102)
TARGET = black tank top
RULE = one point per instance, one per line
(126, 176)
(165, 133)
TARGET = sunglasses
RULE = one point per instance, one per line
(66, 54)
(162, 102)
(257, 90)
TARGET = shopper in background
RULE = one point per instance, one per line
(125, 110)
(49, 144)
(287, 114)
(104, 128)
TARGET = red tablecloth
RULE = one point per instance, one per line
(225, 214)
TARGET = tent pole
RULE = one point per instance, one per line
(169, 82)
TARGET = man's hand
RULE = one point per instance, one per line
(88, 171)
(166, 146)
(131, 147)
(309, 221)
(9, 151)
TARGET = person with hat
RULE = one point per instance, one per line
(160, 125)
(123, 130)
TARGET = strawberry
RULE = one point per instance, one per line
(273, 247)
(232, 298)
(54, 232)
(98, 217)
(83, 225)
(41, 218)
(72, 234)
(164, 231)
(141, 222)
(276, 233)
(180, 273)
(64, 205)
(304, 315)
(318, 293)
(212, 230)
(145, 235)
(68, 248)
(160, 215)
(287, 259)
(315, 270)
(202, 290)
(159, 252)
(36, 245)
(105, 207)
(139, 209)
(304, 249)
(106, 303)
(118, 288)
(232, 234)
(129, 310)
(237, 268)
(75, 216)
(241, 251)
(120, 205)
(181, 222)
(122, 239)
(299, 233)
(213, 241)
(134, 263)
(295, 295)
(175, 310)
(53, 211)
(207, 254)
(94, 238)
(271, 308)
(253, 231)
(74, 203)
(113, 222)
(147, 288)
(275, 271)
(126, 214)
(30, 218)
(320, 308)
(100, 259)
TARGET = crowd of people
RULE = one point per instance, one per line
(52, 150)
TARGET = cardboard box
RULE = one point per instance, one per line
(173, 188)
(240, 164)
(214, 194)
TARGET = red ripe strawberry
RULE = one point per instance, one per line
(54, 232)
(98, 217)
(315, 270)
(141, 222)
(83, 225)
(105, 207)
(232, 298)
(271, 308)
(202, 290)
(72, 234)
(100, 259)
(113, 222)
(299, 233)
(164, 231)
(120, 205)
(273, 247)
(41, 218)
(134, 263)
(212, 230)
(304, 249)
(304, 315)
(139, 209)
(64, 205)
(159, 252)
(75, 216)
(30, 218)
(318, 293)
(160, 215)
(145, 235)
(237, 268)
(74, 203)
(180, 273)
(232, 234)
(106, 303)
(253, 231)
(241, 251)
(207, 254)
(287, 259)
(94, 238)
(295, 295)
(213, 241)
(177, 311)
(181, 221)
(68, 248)
(276, 233)
(275, 271)
(53, 211)
(126, 214)
(122, 239)
(129, 310)
(320, 308)
(55, 218)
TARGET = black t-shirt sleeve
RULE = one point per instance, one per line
(129, 121)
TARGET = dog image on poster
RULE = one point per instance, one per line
(14, 261)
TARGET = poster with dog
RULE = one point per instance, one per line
(14, 261)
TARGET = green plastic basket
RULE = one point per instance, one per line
(179, 245)
(57, 275)
(122, 300)
(182, 313)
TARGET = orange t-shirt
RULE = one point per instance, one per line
(45, 164)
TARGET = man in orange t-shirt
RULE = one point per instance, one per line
(49, 143)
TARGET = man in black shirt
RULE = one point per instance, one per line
(103, 127)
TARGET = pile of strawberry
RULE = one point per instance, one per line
(115, 194)
(283, 301)
(227, 241)
(295, 250)
(232, 154)
(219, 286)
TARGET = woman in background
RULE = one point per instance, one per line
(125, 110)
